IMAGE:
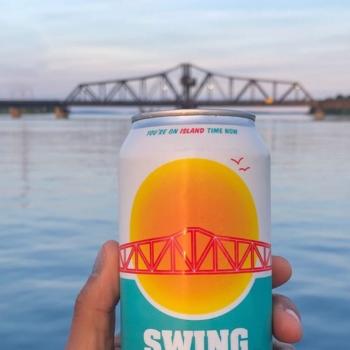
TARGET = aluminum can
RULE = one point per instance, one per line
(194, 216)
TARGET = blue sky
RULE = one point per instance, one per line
(48, 47)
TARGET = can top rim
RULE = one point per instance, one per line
(193, 112)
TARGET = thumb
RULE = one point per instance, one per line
(93, 321)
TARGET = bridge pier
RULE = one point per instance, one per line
(15, 112)
(61, 112)
(318, 112)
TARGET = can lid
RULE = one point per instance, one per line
(193, 112)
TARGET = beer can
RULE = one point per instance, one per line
(194, 215)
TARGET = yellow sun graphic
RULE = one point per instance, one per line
(201, 193)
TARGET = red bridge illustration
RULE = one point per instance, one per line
(195, 251)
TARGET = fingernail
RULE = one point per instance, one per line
(293, 314)
(97, 268)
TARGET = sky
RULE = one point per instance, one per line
(47, 47)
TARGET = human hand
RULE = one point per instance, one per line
(93, 321)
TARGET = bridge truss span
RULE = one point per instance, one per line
(189, 86)
(195, 251)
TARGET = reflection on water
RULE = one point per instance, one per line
(59, 203)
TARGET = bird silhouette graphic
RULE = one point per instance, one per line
(244, 169)
(237, 161)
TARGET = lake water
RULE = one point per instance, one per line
(58, 203)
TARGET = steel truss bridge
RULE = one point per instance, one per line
(195, 251)
(189, 86)
(184, 86)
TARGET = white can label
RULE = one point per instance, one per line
(195, 248)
